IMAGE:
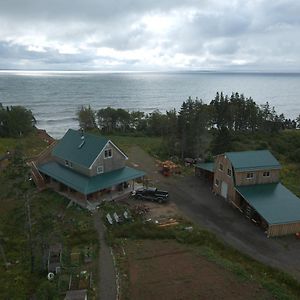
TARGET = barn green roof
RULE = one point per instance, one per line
(273, 201)
(252, 160)
(79, 148)
(87, 185)
(206, 166)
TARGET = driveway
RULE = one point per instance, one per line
(194, 198)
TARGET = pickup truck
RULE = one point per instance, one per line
(152, 194)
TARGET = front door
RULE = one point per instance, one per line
(224, 189)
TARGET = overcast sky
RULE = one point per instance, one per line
(258, 35)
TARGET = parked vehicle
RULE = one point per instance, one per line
(151, 194)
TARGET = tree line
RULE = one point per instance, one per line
(184, 131)
(15, 121)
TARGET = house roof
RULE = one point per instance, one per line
(74, 148)
(253, 160)
(87, 185)
(206, 166)
(273, 201)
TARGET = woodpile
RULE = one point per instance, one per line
(168, 168)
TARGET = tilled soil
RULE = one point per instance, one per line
(165, 269)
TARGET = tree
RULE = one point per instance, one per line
(298, 121)
(86, 118)
(222, 141)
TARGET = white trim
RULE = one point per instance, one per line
(109, 141)
(100, 166)
(111, 152)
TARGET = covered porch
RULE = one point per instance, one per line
(205, 171)
(89, 192)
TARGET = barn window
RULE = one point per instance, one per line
(250, 175)
(217, 182)
(266, 174)
(221, 167)
(229, 172)
(100, 170)
(108, 153)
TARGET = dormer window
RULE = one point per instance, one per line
(108, 153)
(266, 174)
(100, 170)
(250, 175)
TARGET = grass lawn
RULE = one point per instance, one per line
(51, 223)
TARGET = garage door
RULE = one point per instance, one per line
(224, 189)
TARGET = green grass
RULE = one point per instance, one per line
(32, 145)
(152, 145)
(51, 222)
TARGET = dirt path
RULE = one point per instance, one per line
(195, 199)
(107, 275)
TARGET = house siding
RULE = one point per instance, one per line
(283, 229)
(117, 161)
(78, 168)
(222, 176)
(241, 177)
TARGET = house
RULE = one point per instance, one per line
(249, 180)
(85, 168)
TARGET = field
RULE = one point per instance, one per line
(165, 269)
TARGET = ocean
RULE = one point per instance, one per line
(54, 97)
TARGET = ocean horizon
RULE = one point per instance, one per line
(55, 96)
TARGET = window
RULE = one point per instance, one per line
(250, 175)
(217, 182)
(100, 170)
(266, 174)
(108, 153)
(221, 167)
(229, 172)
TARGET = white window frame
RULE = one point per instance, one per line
(100, 169)
(107, 151)
(217, 182)
(250, 177)
(221, 167)
(266, 174)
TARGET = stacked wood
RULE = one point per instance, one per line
(168, 168)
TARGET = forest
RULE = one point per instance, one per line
(16, 121)
(196, 124)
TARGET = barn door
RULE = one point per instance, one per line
(224, 189)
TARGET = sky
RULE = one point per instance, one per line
(150, 35)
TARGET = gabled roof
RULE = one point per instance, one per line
(76, 149)
(273, 201)
(87, 185)
(253, 160)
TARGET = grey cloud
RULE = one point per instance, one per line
(205, 34)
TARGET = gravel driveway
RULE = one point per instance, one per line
(194, 198)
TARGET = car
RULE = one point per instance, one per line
(151, 194)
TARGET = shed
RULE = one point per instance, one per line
(278, 206)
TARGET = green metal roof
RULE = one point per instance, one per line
(87, 185)
(253, 160)
(273, 201)
(206, 166)
(77, 150)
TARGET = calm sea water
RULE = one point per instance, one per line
(54, 97)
